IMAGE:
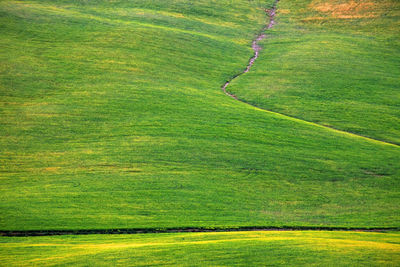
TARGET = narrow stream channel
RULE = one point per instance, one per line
(256, 47)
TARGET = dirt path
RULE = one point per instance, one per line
(257, 48)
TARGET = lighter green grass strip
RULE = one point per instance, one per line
(76, 14)
(352, 135)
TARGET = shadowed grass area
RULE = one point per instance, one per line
(203, 249)
(112, 117)
(335, 63)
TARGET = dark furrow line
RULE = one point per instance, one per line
(12, 233)
(257, 48)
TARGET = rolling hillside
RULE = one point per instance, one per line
(112, 116)
(205, 249)
(335, 63)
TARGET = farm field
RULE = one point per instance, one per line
(202, 249)
(112, 116)
(335, 63)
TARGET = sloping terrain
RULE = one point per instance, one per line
(112, 116)
(206, 249)
(335, 63)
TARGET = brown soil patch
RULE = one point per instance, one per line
(346, 10)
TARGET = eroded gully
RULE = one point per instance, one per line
(256, 47)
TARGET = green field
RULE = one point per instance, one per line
(206, 249)
(112, 116)
(335, 63)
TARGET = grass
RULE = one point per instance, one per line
(335, 63)
(206, 249)
(112, 117)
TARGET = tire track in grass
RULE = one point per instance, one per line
(257, 48)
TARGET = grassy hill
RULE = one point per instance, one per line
(332, 62)
(112, 116)
(206, 249)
